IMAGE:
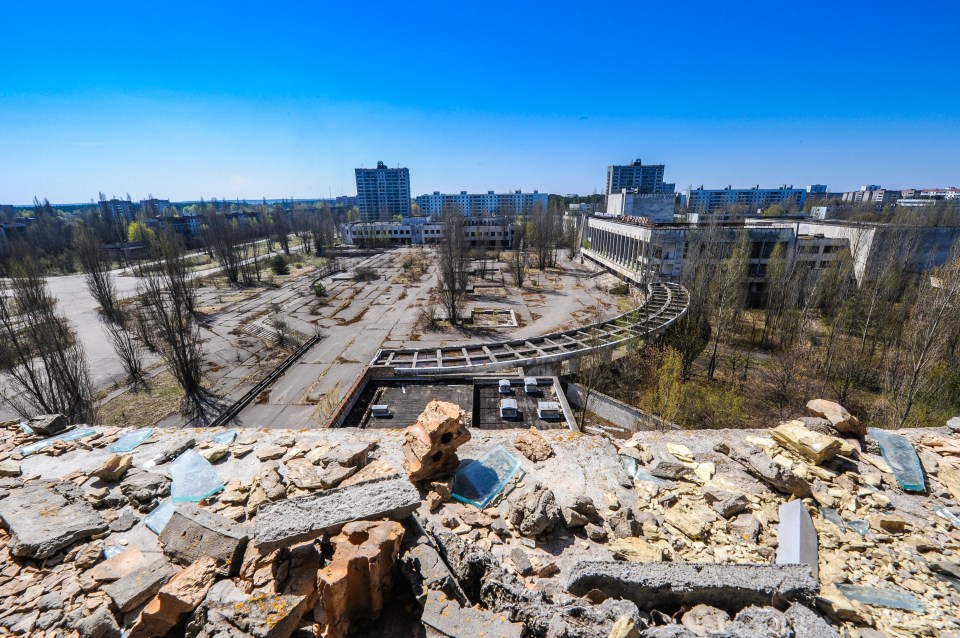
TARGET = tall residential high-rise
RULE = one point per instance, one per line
(637, 178)
(383, 192)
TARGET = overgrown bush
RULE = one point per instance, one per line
(365, 273)
(279, 265)
(319, 289)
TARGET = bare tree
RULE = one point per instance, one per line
(168, 302)
(44, 364)
(932, 325)
(129, 350)
(97, 269)
(546, 225)
(453, 260)
(728, 294)
(518, 256)
(224, 239)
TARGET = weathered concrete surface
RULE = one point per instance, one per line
(808, 624)
(308, 517)
(228, 611)
(193, 532)
(669, 585)
(453, 621)
(45, 518)
(136, 588)
(430, 449)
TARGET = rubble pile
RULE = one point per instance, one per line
(816, 527)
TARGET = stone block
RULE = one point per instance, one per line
(99, 624)
(670, 585)
(179, 597)
(48, 424)
(193, 532)
(44, 518)
(838, 416)
(309, 517)
(813, 446)
(136, 588)
(113, 467)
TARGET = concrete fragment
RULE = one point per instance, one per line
(375, 469)
(797, 537)
(267, 487)
(126, 562)
(535, 512)
(636, 550)
(193, 532)
(533, 446)
(48, 424)
(177, 598)
(44, 518)
(760, 622)
(703, 620)
(689, 521)
(358, 579)
(425, 570)
(113, 467)
(807, 623)
(954, 424)
(99, 624)
(430, 446)
(227, 611)
(767, 470)
(9, 468)
(521, 562)
(670, 585)
(144, 488)
(726, 503)
(889, 523)
(447, 617)
(139, 586)
(838, 416)
(303, 474)
(667, 466)
(813, 446)
(308, 517)
(624, 628)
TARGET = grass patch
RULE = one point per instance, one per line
(144, 408)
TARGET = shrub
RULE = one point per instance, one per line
(279, 265)
(319, 289)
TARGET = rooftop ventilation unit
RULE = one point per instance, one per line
(504, 386)
(381, 411)
(530, 385)
(549, 410)
(508, 409)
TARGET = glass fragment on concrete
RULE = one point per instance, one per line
(860, 527)
(194, 479)
(225, 438)
(131, 440)
(479, 482)
(875, 597)
(902, 458)
(70, 435)
(947, 515)
(157, 519)
(833, 516)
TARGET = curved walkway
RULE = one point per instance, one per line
(665, 303)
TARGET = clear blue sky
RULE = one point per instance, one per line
(184, 100)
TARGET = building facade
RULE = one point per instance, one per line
(712, 200)
(637, 177)
(482, 204)
(383, 192)
(661, 252)
(657, 207)
(479, 232)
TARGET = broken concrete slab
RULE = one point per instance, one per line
(46, 517)
(726, 503)
(9, 468)
(670, 585)
(797, 537)
(453, 621)
(228, 611)
(308, 517)
(535, 512)
(113, 467)
(665, 465)
(193, 532)
(816, 447)
(838, 416)
(807, 623)
(137, 587)
(760, 465)
(48, 424)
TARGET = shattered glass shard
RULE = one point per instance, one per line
(833, 516)
(944, 513)
(860, 527)
(637, 473)
(157, 519)
(882, 597)
(225, 438)
(111, 550)
(902, 458)
(131, 440)
(479, 482)
(70, 435)
(194, 479)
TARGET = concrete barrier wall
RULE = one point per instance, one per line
(617, 412)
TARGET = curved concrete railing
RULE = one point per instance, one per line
(665, 303)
